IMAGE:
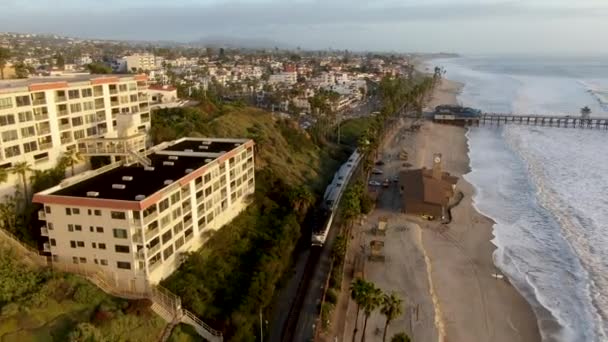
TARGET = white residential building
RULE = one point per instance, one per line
(137, 62)
(286, 77)
(134, 223)
(41, 118)
(83, 60)
(162, 94)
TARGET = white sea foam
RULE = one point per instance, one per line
(545, 188)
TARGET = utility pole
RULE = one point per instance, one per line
(261, 327)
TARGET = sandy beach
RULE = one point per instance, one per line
(444, 271)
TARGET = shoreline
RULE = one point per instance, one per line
(474, 303)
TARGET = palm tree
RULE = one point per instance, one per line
(71, 158)
(391, 309)
(22, 169)
(358, 292)
(4, 56)
(3, 175)
(371, 302)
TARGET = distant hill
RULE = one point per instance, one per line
(239, 42)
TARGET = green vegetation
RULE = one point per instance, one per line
(400, 337)
(236, 273)
(369, 298)
(5, 54)
(38, 305)
(99, 68)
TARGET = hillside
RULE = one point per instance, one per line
(235, 275)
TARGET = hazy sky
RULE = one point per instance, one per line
(466, 26)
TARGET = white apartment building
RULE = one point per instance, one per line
(286, 77)
(135, 62)
(162, 94)
(83, 60)
(133, 223)
(41, 118)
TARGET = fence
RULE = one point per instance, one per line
(30, 255)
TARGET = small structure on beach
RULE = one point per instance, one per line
(427, 192)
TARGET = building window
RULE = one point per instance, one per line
(178, 228)
(95, 261)
(93, 244)
(91, 229)
(121, 249)
(99, 229)
(118, 215)
(10, 135)
(23, 101)
(55, 258)
(12, 151)
(53, 242)
(72, 244)
(163, 205)
(120, 233)
(77, 121)
(102, 246)
(80, 243)
(167, 236)
(87, 92)
(83, 260)
(30, 147)
(168, 252)
(75, 108)
(68, 211)
(78, 228)
(27, 132)
(6, 120)
(70, 227)
(75, 211)
(47, 209)
(103, 262)
(179, 242)
(175, 198)
(97, 212)
(123, 265)
(74, 94)
(50, 225)
(6, 102)
(75, 260)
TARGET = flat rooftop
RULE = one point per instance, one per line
(26, 82)
(143, 182)
(165, 170)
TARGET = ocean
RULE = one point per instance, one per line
(546, 188)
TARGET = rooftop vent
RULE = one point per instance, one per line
(189, 170)
(222, 152)
(140, 197)
(168, 181)
(208, 160)
(92, 194)
(149, 168)
(237, 145)
(188, 150)
(168, 163)
(127, 178)
(173, 157)
(206, 142)
(119, 186)
(203, 147)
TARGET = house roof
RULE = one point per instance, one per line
(421, 186)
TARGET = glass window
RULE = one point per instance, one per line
(75, 260)
(97, 212)
(68, 211)
(118, 215)
(74, 94)
(72, 243)
(27, 132)
(75, 108)
(167, 236)
(83, 260)
(120, 233)
(53, 242)
(70, 227)
(30, 147)
(75, 211)
(168, 252)
(121, 249)
(10, 135)
(102, 246)
(103, 262)
(78, 228)
(99, 229)
(124, 265)
(8, 119)
(80, 243)
(164, 204)
(25, 116)
(88, 92)
(12, 151)
(6, 102)
(23, 100)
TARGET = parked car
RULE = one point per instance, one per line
(395, 179)
(374, 183)
(386, 183)
(377, 172)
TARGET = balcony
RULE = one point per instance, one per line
(60, 98)
(188, 223)
(46, 247)
(152, 233)
(43, 131)
(64, 126)
(140, 254)
(150, 217)
(65, 141)
(154, 249)
(39, 102)
(41, 215)
(137, 237)
(45, 146)
(113, 91)
(41, 117)
(44, 231)
(114, 103)
(62, 112)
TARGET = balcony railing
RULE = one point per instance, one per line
(44, 231)
(43, 131)
(41, 117)
(39, 102)
(150, 217)
(60, 98)
(152, 233)
(64, 126)
(62, 112)
(41, 215)
(137, 237)
(45, 146)
(113, 91)
(114, 103)
(66, 141)
(188, 223)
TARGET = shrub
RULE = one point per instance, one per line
(331, 296)
(87, 294)
(400, 337)
(85, 332)
(335, 280)
(10, 309)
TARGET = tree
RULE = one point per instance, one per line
(99, 68)
(371, 301)
(21, 70)
(358, 292)
(391, 309)
(22, 169)
(400, 337)
(86, 332)
(3, 175)
(5, 54)
(71, 158)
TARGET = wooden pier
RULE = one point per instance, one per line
(533, 120)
